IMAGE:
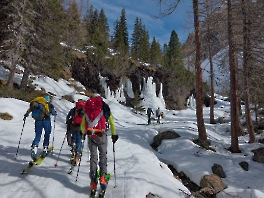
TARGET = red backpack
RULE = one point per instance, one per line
(78, 113)
(95, 120)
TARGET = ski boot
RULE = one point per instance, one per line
(34, 151)
(45, 151)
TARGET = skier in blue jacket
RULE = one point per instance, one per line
(40, 124)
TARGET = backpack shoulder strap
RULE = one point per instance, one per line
(91, 124)
(73, 112)
(106, 110)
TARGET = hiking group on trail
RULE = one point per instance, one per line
(159, 115)
(89, 118)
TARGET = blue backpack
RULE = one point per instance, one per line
(38, 110)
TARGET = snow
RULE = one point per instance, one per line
(138, 168)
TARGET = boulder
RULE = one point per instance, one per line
(218, 170)
(163, 135)
(244, 165)
(258, 155)
(212, 184)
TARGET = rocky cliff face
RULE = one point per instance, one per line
(87, 73)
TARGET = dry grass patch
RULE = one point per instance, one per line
(6, 116)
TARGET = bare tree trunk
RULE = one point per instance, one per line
(199, 99)
(11, 72)
(233, 90)
(209, 41)
(16, 43)
(212, 121)
(24, 80)
(256, 113)
(246, 59)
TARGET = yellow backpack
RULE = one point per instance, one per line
(39, 108)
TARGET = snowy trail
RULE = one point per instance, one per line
(137, 165)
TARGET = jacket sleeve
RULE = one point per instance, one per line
(82, 126)
(106, 110)
(52, 109)
(112, 124)
(27, 112)
(69, 114)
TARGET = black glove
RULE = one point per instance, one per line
(83, 136)
(114, 138)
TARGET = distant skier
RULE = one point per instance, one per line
(158, 115)
(149, 112)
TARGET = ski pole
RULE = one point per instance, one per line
(53, 134)
(20, 136)
(79, 162)
(60, 149)
(88, 150)
(114, 164)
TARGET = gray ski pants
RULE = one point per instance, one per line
(99, 143)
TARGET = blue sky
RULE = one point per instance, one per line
(146, 10)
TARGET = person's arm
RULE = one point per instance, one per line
(52, 109)
(69, 114)
(112, 124)
(106, 110)
(27, 113)
(82, 126)
(113, 129)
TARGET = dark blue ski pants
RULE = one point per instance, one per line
(39, 126)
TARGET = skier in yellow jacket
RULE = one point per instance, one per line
(94, 125)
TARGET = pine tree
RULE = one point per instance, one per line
(173, 54)
(50, 25)
(74, 32)
(144, 49)
(98, 35)
(3, 19)
(140, 42)
(135, 40)
(103, 25)
(18, 26)
(156, 56)
(120, 38)
(102, 32)
(87, 21)
(94, 28)
(31, 52)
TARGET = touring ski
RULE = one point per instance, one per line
(74, 162)
(38, 161)
(93, 192)
(103, 190)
